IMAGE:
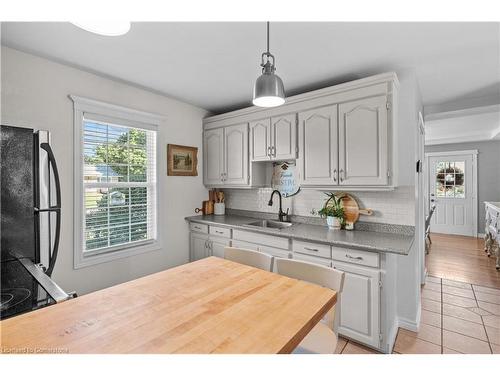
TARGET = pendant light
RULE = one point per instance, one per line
(268, 90)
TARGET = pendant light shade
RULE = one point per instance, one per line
(268, 90)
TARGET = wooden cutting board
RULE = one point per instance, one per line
(351, 208)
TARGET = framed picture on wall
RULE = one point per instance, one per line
(182, 160)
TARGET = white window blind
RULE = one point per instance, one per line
(119, 185)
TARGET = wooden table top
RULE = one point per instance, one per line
(208, 306)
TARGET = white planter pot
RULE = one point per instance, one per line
(333, 222)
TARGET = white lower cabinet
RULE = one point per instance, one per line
(358, 315)
(203, 245)
(217, 246)
(199, 246)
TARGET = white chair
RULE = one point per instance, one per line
(322, 339)
(250, 258)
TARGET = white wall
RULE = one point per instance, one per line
(408, 267)
(35, 94)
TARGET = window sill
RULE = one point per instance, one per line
(91, 259)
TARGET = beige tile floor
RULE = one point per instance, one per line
(457, 318)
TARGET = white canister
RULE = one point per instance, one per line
(219, 209)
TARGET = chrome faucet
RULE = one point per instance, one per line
(283, 216)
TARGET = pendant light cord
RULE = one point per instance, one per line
(268, 37)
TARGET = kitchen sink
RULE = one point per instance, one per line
(269, 224)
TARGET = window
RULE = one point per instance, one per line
(115, 175)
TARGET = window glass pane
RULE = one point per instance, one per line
(138, 232)
(95, 239)
(439, 189)
(459, 192)
(138, 214)
(119, 235)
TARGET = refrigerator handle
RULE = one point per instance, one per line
(56, 208)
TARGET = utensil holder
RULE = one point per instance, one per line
(219, 209)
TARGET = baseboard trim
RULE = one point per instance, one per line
(411, 325)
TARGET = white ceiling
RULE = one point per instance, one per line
(214, 65)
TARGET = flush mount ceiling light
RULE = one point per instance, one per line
(268, 90)
(104, 27)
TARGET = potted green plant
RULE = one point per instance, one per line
(333, 210)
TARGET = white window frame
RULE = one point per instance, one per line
(121, 116)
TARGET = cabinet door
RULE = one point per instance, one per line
(260, 140)
(358, 313)
(318, 153)
(199, 246)
(284, 137)
(217, 246)
(363, 145)
(213, 156)
(236, 156)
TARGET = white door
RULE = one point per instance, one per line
(236, 155)
(283, 137)
(217, 246)
(452, 189)
(363, 142)
(260, 140)
(358, 315)
(318, 146)
(199, 246)
(213, 156)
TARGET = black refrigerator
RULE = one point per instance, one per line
(30, 222)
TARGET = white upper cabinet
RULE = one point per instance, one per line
(318, 153)
(213, 156)
(260, 140)
(236, 155)
(344, 136)
(283, 137)
(274, 138)
(363, 151)
(225, 158)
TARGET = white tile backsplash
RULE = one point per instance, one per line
(391, 207)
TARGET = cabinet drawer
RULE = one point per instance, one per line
(311, 259)
(309, 248)
(278, 242)
(200, 228)
(275, 252)
(219, 231)
(364, 258)
(244, 245)
(278, 253)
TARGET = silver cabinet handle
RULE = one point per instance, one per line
(269, 151)
(310, 249)
(273, 151)
(355, 258)
(218, 231)
(335, 175)
(197, 227)
(206, 244)
(341, 174)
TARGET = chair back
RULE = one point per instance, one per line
(314, 274)
(250, 258)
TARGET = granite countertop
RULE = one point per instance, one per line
(357, 239)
